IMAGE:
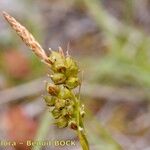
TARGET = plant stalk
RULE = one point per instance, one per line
(80, 130)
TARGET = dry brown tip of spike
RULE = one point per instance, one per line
(27, 37)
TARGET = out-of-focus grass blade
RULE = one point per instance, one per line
(43, 129)
(99, 136)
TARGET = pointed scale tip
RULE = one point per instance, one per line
(5, 14)
(61, 51)
(50, 50)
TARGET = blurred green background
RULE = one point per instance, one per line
(111, 41)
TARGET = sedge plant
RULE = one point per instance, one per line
(64, 103)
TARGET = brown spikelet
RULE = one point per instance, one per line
(27, 37)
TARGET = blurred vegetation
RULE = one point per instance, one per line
(127, 61)
(112, 47)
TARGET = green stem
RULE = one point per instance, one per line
(81, 134)
(80, 131)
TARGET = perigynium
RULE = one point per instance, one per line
(64, 103)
